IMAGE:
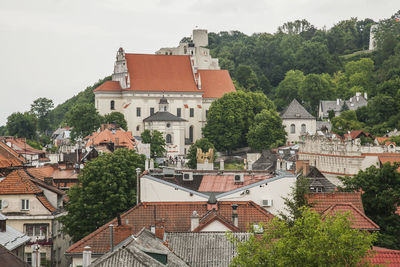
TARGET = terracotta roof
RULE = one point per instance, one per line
(358, 218)
(46, 203)
(109, 86)
(216, 83)
(65, 174)
(384, 257)
(18, 182)
(41, 172)
(356, 134)
(160, 73)
(322, 201)
(226, 183)
(21, 147)
(120, 138)
(381, 140)
(9, 157)
(177, 219)
(392, 160)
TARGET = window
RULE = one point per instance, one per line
(138, 128)
(151, 111)
(138, 112)
(42, 259)
(191, 134)
(28, 258)
(303, 128)
(178, 112)
(112, 105)
(39, 230)
(1, 204)
(292, 129)
(168, 139)
(24, 204)
(168, 125)
(206, 113)
(191, 112)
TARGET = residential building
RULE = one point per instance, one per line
(12, 239)
(7, 258)
(139, 82)
(33, 157)
(9, 160)
(110, 137)
(335, 156)
(339, 105)
(297, 121)
(31, 206)
(200, 216)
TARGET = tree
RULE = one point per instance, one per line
(289, 88)
(380, 197)
(22, 125)
(84, 120)
(156, 141)
(117, 118)
(202, 143)
(331, 114)
(230, 117)
(310, 241)
(41, 108)
(107, 187)
(266, 131)
(246, 77)
(314, 57)
(347, 121)
(297, 200)
(313, 89)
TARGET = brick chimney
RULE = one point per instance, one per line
(303, 165)
(160, 229)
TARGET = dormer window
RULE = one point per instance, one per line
(297, 114)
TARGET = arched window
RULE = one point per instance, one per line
(138, 128)
(112, 105)
(303, 128)
(168, 139)
(292, 128)
(191, 134)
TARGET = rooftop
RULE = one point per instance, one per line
(296, 111)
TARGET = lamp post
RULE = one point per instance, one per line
(137, 185)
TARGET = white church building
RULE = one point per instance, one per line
(182, 81)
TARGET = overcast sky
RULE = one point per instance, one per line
(56, 48)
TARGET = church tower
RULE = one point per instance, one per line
(121, 70)
(163, 105)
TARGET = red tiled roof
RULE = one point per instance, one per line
(46, 203)
(41, 172)
(392, 160)
(21, 147)
(381, 140)
(109, 86)
(359, 219)
(168, 73)
(120, 138)
(216, 83)
(322, 201)
(177, 219)
(18, 182)
(355, 134)
(65, 174)
(9, 157)
(384, 257)
(225, 183)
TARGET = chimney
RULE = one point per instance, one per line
(87, 256)
(337, 101)
(235, 216)
(151, 164)
(194, 220)
(221, 165)
(111, 237)
(146, 164)
(160, 229)
(3, 223)
(365, 96)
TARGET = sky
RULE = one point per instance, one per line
(56, 48)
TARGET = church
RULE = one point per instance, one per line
(170, 91)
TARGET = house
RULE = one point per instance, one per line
(340, 105)
(335, 156)
(7, 258)
(111, 137)
(33, 157)
(139, 81)
(264, 188)
(286, 157)
(9, 159)
(143, 249)
(31, 206)
(200, 216)
(317, 181)
(297, 121)
(62, 176)
(12, 239)
(342, 202)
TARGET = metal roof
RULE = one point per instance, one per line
(11, 238)
(163, 116)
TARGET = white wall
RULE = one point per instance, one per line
(215, 226)
(311, 127)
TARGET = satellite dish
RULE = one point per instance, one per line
(4, 203)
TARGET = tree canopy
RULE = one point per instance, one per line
(107, 187)
(156, 141)
(22, 125)
(41, 108)
(117, 118)
(84, 120)
(381, 196)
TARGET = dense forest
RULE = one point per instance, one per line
(303, 62)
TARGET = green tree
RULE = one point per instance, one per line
(156, 141)
(310, 241)
(313, 89)
(107, 187)
(314, 57)
(84, 120)
(297, 200)
(202, 143)
(246, 77)
(41, 108)
(22, 125)
(266, 131)
(117, 118)
(381, 196)
(288, 89)
(347, 121)
(230, 117)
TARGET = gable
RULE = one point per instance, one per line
(215, 226)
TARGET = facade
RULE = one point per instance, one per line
(334, 156)
(297, 121)
(12, 239)
(139, 82)
(339, 105)
(33, 157)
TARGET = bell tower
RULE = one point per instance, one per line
(121, 70)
